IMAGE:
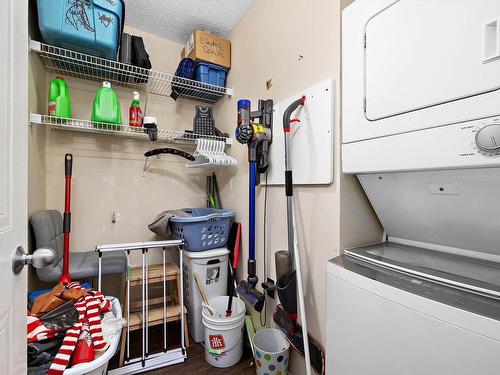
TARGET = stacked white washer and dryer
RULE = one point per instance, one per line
(421, 130)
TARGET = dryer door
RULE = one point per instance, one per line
(426, 63)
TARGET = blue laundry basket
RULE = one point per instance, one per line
(208, 228)
(93, 27)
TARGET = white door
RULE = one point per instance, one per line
(418, 64)
(13, 181)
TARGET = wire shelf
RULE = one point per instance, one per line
(76, 64)
(125, 131)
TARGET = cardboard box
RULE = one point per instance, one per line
(203, 46)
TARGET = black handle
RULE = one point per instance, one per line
(168, 150)
(68, 164)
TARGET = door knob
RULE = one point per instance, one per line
(40, 258)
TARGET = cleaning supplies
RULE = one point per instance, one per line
(59, 103)
(135, 112)
(106, 107)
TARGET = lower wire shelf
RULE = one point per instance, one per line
(125, 131)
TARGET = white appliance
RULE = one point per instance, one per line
(421, 130)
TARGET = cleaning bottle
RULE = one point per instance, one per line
(135, 112)
(59, 103)
(106, 107)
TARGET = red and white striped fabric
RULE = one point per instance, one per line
(37, 331)
(89, 307)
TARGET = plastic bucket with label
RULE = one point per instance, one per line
(271, 352)
(224, 335)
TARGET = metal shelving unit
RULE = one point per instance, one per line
(125, 131)
(76, 64)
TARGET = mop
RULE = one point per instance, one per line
(289, 275)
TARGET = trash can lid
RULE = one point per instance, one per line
(207, 253)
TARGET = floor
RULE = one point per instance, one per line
(195, 364)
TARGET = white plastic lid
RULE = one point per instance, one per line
(136, 95)
(106, 84)
(207, 253)
(149, 120)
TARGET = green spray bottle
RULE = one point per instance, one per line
(106, 107)
(59, 103)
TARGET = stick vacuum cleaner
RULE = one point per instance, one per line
(68, 169)
(288, 272)
(255, 130)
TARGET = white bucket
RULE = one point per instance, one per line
(224, 335)
(271, 352)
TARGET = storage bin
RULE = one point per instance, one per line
(93, 27)
(212, 269)
(207, 228)
(211, 74)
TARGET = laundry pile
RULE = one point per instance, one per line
(64, 328)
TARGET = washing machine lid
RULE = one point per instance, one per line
(420, 54)
(456, 210)
(470, 274)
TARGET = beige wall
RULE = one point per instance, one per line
(107, 171)
(266, 44)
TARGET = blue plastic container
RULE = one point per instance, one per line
(208, 228)
(93, 27)
(211, 74)
(185, 69)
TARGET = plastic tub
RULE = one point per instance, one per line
(99, 365)
(211, 268)
(93, 27)
(271, 352)
(224, 335)
(208, 228)
(211, 74)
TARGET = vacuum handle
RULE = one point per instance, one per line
(68, 164)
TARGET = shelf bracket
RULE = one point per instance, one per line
(35, 118)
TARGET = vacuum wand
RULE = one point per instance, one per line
(68, 170)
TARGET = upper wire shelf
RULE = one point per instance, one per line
(76, 64)
(125, 131)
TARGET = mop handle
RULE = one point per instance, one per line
(68, 170)
(288, 175)
(293, 246)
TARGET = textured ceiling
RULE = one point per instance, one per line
(175, 19)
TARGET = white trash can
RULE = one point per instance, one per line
(211, 266)
(271, 352)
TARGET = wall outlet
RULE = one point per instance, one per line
(115, 217)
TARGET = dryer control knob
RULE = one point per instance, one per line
(488, 138)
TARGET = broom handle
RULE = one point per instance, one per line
(234, 267)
